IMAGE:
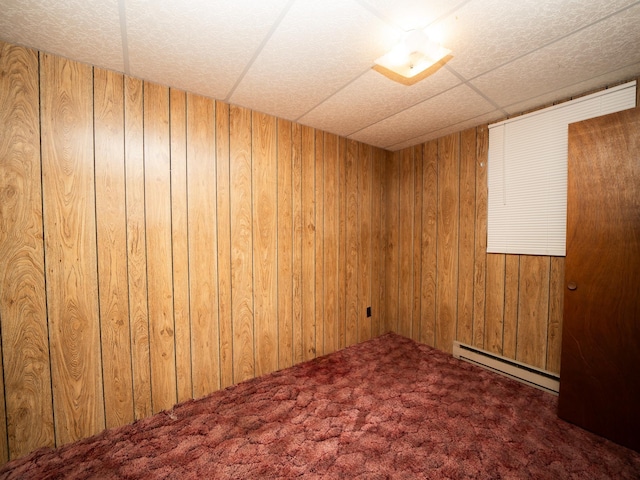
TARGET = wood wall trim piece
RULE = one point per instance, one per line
(364, 161)
(157, 172)
(392, 259)
(405, 243)
(429, 242)
(203, 261)
(308, 285)
(331, 230)
(416, 315)
(180, 242)
(351, 239)
(296, 181)
(112, 246)
(70, 247)
(342, 242)
(320, 237)
(136, 246)
(480, 261)
(25, 342)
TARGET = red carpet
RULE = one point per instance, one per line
(387, 408)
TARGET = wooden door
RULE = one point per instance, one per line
(600, 371)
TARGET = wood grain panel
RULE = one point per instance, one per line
(429, 242)
(308, 244)
(533, 310)
(136, 246)
(494, 324)
(319, 256)
(223, 209)
(285, 246)
(331, 231)
(112, 246)
(392, 200)
(296, 179)
(241, 244)
(203, 268)
(377, 285)
(556, 308)
(405, 244)
(448, 234)
(157, 167)
(70, 247)
(480, 261)
(511, 290)
(467, 235)
(351, 238)
(180, 242)
(364, 244)
(416, 244)
(26, 386)
(342, 242)
(265, 225)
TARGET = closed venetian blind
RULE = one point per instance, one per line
(527, 176)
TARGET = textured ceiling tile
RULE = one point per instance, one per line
(627, 73)
(83, 30)
(318, 48)
(410, 14)
(368, 99)
(486, 34)
(473, 122)
(590, 53)
(451, 107)
(199, 45)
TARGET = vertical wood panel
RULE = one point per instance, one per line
(319, 256)
(364, 244)
(533, 310)
(351, 237)
(511, 289)
(494, 323)
(342, 242)
(308, 244)
(180, 242)
(416, 244)
(405, 243)
(265, 225)
(203, 271)
(480, 263)
(25, 343)
(241, 245)
(448, 224)
(223, 209)
(157, 167)
(429, 242)
(136, 246)
(467, 234)
(331, 232)
(392, 197)
(297, 242)
(112, 246)
(285, 246)
(70, 247)
(377, 290)
(556, 308)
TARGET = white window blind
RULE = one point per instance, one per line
(527, 176)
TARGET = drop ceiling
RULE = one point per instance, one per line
(310, 61)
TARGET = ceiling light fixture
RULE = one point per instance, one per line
(414, 54)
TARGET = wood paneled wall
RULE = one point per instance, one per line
(441, 283)
(156, 246)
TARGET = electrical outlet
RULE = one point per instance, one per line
(368, 312)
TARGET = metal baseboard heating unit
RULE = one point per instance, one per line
(536, 377)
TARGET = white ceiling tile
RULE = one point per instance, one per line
(318, 48)
(409, 14)
(199, 45)
(590, 53)
(87, 31)
(626, 73)
(486, 34)
(472, 122)
(368, 99)
(449, 108)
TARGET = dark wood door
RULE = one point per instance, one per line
(600, 370)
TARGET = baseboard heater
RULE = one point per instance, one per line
(536, 377)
